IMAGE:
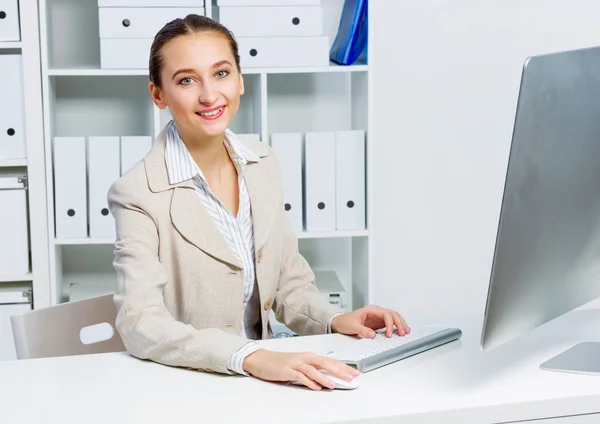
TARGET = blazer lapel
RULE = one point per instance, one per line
(264, 199)
(195, 224)
(188, 214)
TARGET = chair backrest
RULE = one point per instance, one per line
(73, 328)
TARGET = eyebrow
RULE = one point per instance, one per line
(190, 70)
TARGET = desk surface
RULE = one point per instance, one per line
(453, 383)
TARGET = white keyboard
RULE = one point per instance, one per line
(368, 354)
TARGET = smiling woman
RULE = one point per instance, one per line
(204, 248)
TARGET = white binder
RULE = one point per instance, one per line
(9, 21)
(14, 239)
(350, 180)
(12, 109)
(319, 156)
(103, 170)
(247, 137)
(288, 152)
(133, 150)
(70, 187)
(15, 298)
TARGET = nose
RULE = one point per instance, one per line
(208, 94)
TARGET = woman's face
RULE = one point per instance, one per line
(200, 84)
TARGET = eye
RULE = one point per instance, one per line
(222, 74)
(186, 81)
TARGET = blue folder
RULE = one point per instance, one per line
(351, 38)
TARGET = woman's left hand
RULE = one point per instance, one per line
(365, 321)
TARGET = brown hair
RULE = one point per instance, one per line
(191, 24)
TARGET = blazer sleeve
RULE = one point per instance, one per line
(298, 303)
(147, 328)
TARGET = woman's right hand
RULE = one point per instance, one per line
(301, 367)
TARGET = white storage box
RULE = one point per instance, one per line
(9, 21)
(273, 21)
(150, 3)
(14, 299)
(14, 238)
(12, 109)
(283, 51)
(267, 2)
(139, 22)
(125, 53)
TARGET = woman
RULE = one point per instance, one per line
(204, 250)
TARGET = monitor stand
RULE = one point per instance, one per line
(583, 358)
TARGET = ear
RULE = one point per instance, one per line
(157, 95)
(241, 84)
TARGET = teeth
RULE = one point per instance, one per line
(212, 112)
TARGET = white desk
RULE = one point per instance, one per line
(454, 383)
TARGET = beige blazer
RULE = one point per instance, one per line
(180, 288)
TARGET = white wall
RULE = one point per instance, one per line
(446, 80)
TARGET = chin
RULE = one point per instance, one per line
(212, 128)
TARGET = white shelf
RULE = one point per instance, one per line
(10, 45)
(333, 234)
(15, 278)
(302, 235)
(83, 241)
(82, 99)
(12, 163)
(93, 71)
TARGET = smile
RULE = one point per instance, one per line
(212, 114)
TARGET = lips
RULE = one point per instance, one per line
(212, 114)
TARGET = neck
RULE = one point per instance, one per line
(207, 152)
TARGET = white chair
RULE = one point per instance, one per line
(74, 328)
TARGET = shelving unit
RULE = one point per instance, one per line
(82, 99)
(32, 166)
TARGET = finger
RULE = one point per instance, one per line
(300, 377)
(317, 376)
(388, 318)
(364, 331)
(401, 323)
(335, 367)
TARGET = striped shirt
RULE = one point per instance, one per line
(237, 230)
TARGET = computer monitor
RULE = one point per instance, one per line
(547, 254)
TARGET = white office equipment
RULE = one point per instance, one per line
(139, 22)
(103, 170)
(350, 180)
(133, 150)
(9, 21)
(14, 235)
(15, 298)
(273, 21)
(283, 51)
(12, 109)
(331, 287)
(288, 151)
(150, 3)
(319, 181)
(125, 53)
(545, 262)
(267, 2)
(70, 187)
(339, 383)
(368, 354)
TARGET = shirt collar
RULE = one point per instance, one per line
(180, 164)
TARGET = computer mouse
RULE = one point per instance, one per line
(339, 382)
